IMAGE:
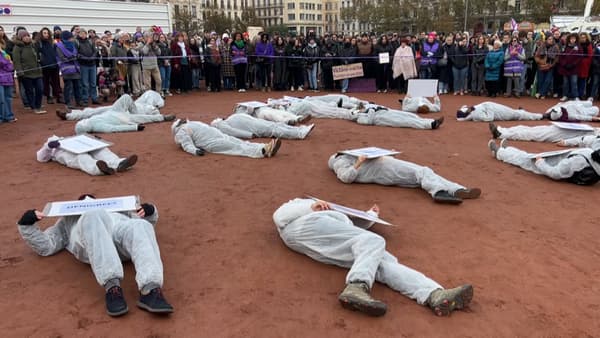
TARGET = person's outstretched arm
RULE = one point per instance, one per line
(44, 243)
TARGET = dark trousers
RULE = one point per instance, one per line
(34, 89)
(213, 73)
(240, 75)
(182, 78)
(296, 78)
(51, 78)
(492, 87)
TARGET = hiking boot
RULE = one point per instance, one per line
(356, 297)
(443, 302)
(61, 114)
(155, 302)
(115, 302)
(494, 130)
(104, 168)
(127, 163)
(169, 117)
(272, 147)
(445, 197)
(437, 123)
(468, 193)
(493, 147)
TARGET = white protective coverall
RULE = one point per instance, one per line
(318, 109)
(492, 111)
(85, 162)
(333, 238)
(348, 102)
(115, 122)
(576, 110)
(590, 141)
(556, 167)
(411, 104)
(246, 126)
(393, 118)
(194, 135)
(387, 170)
(269, 114)
(147, 104)
(104, 239)
(550, 133)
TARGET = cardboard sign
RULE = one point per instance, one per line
(551, 153)
(370, 152)
(70, 208)
(384, 58)
(352, 212)
(425, 88)
(573, 126)
(82, 144)
(347, 71)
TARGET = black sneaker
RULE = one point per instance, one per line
(104, 168)
(494, 130)
(115, 302)
(437, 123)
(127, 163)
(445, 197)
(154, 302)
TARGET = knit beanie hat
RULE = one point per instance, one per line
(66, 35)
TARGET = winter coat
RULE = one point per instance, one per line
(238, 55)
(347, 54)
(493, 64)
(430, 53)
(311, 54)
(280, 66)
(47, 53)
(6, 72)
(264, 52)
(150, 53)
(595, 68)
(165, 53)
(546, 57)
(586, 61)
(212, 55)
(568, 64)
(67, 63)
(329, 52)
(513, 64)
(227, 66)
(86, 52)
(26, 60)
(296, 56)
(458, 56)
(387, 48)
(176, 52)
(479, 54)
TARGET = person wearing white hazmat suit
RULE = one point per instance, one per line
(97, 162)
(421, 105)
(313, 229)
(387, 170)
(548, 133)
(339, 100)
(147, 104)
(396, 118)
(577, 110)
(246, 126)
(492, 111)
(197, 138)
(319, 110)
(103, 239)
(579, 166)
(273, 114)
(590, 141)
(116, 122)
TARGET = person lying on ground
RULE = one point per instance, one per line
(247, 126)
(491, 111)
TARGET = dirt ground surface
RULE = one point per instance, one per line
(529, 245)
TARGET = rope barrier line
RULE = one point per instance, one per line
(316, 58)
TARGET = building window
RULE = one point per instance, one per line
(319, 17)
(517, 6)
(291, 17)
(291, 5)
(194, 13)
(176, 9)
(319, 6)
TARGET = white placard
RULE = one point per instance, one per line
(552, 153)
(370, 152)
(573, 126)
(425, 88)
(81, 144)
(352, 212)
(384, 58)
(70, 208)
(252, 104)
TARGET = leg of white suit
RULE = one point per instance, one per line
(107, 156)
(135, 239)
(401, 119)
(84, 162)
(538, 133)
(331, 241)
(430, 181)
(285, 131)
(276, 115)
(518, 158)
(527, 116)
(76, 114)
(107, 127)
(409, 282)
(140, 118)
(98, 248)
(229, 145)
(125, 104)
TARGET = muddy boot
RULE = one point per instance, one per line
(445, 197)
(104, 168)
(443, 302)
(494, 130)
(356, 297)
(272, 147)
(468, 193)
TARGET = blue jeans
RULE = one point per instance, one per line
(311, 71)
(345, 83)
(71, 88)
(88, 83)
(595, 85)
(460, 78)
(34, 89)
(570, 86)
(581, 86)
(6, 113)
(165, 77)
(544, 80)
(195, 77)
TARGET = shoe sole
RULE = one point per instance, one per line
(119, 313)
(461, 301)
(468, 193)
(312, 127)
(153, 310)
(105, 169)
(353, 304)
(447, 200)
(275, 148)
(131, 161)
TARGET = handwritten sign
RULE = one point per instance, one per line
(384, 58)
(70, 208)
(353, 212)
(370, 152)
(347, 71)
(424, 88)
(81, 144)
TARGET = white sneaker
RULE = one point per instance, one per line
(300, 89)
(563, 99)
(292, 89)
(591, 99)
(242, 90)
(343, 91)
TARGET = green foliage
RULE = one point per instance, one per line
(217, 22)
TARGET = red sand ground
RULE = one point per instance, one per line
(529, 245)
